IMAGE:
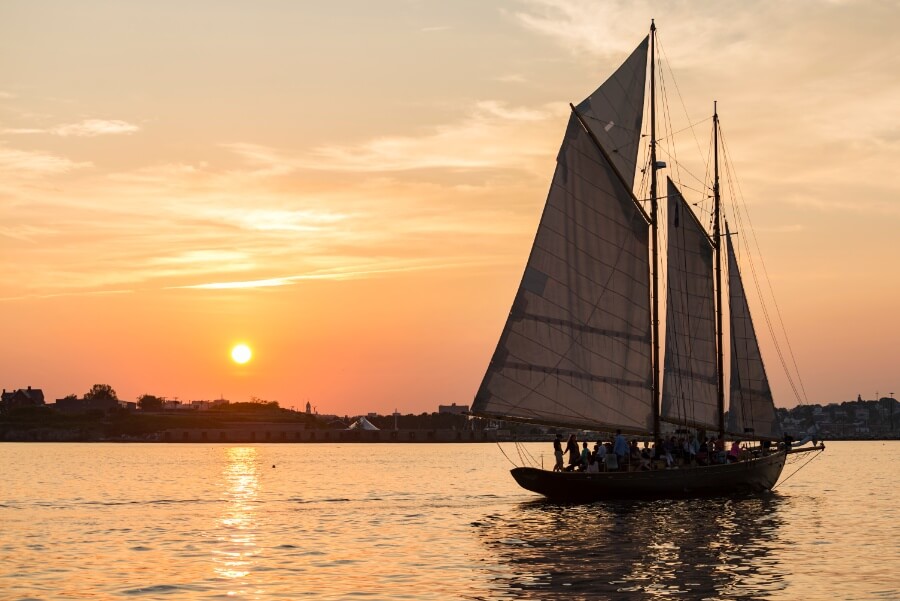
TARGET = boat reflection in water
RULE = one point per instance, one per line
(237, 524)
(716, 548)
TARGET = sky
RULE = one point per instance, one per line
(351, 188)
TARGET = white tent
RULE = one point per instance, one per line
(363, 424)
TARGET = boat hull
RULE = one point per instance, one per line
(755, 475)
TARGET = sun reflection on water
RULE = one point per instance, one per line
(237, 523)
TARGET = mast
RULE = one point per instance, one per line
(654, 223)
(717, 243)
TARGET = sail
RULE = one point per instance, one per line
(615, 109)
(752, 410)
(690, 384)
(576, 347)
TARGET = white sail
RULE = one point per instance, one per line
(615, 110)
(576, 348)
(751, 411)
(690, 386)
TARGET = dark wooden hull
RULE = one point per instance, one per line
(749, 476)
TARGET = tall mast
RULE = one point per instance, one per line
(654, 223)
(717, 242)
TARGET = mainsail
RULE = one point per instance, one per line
(576, 347)
(752, 409)
(689, 377)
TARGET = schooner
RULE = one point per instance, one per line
(581, 345)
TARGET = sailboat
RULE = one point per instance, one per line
(581, 345)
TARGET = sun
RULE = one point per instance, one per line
(241, 353)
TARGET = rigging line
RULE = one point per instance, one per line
(511, 462)
(702, 182)
(683, 186)
(771, 290)
(763, 304)
(530, 456)
(519, 451)
(765, 310)
(708, 177)
(686, 128)
(665, 57)
(798, 469)
(667, 119)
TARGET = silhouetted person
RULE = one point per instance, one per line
(558, 453)
(620, 448)
(574, 453)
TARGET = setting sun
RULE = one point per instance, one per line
(241, 353)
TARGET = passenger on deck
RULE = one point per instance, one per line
(620, 448)
(601, 452)
(645, 459)
(719, 449)
(734, 452)
(693, 448)
(702, 455)
(574, 454)
(558, 453)
(593, 465)
(788, 440)
(634, 451)
(585, 455)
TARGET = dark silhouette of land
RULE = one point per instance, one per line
(100, 416)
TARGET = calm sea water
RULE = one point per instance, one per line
(155, 521)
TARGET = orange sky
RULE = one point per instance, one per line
(351, 188)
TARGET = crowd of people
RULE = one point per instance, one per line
(619, 454)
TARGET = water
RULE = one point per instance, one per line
(359, 521)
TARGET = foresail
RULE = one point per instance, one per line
(752, 409)
(690, 386)
(576, 347)
(615, 110)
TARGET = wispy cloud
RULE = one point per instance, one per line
(342, 273)
(32, 163)
(96, 127)
(88, 128)
(435, 28)
(490, 136)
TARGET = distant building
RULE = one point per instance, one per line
(23, 397)
(454, 409)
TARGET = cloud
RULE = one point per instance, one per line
(328, 212)
(342, 273)
(33, 163)
(492, 135)
(95, 127)
(88, 128)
